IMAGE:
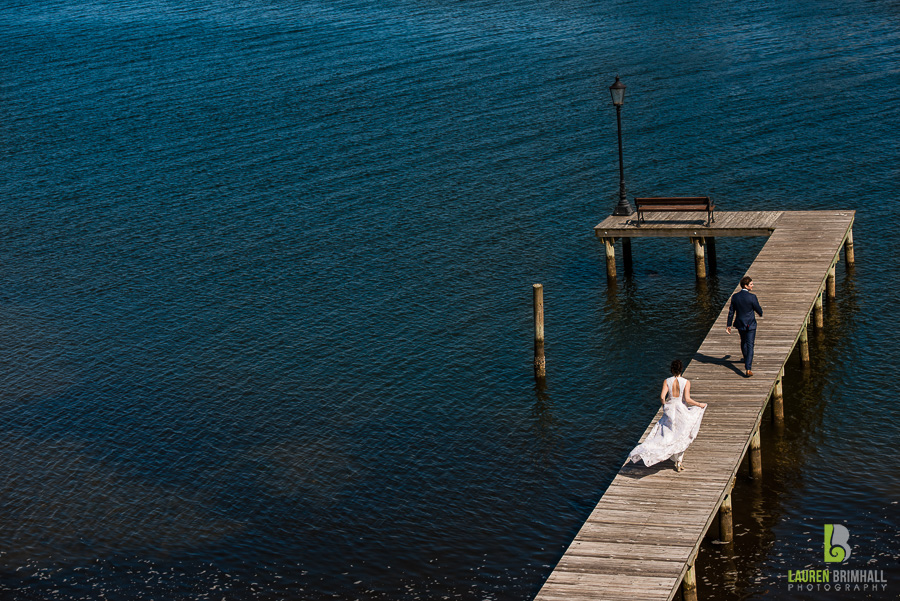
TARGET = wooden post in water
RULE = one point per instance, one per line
(804, 342)
(849, 257)
(609, 243)
(755, 456)
(829, 284)
(699, 263)
(726, 519)
(778, 399)
(689, 584)
(818, 313)
(626, 255)
(540, 364)
(711, 251)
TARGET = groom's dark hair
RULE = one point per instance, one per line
(745, 281)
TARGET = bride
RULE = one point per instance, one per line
(677, 427)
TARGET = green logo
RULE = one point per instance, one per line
(836, 548)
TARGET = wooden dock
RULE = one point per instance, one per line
(641, 540)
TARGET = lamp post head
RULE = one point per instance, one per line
(617, 90)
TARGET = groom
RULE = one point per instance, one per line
(743, 306)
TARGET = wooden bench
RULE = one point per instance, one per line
(682, 203)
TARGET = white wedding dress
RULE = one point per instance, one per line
(673, 433)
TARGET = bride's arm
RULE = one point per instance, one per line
(687, 396)
(665, 390)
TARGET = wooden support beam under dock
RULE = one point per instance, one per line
(640, 542)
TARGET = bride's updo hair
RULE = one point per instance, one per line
(676, 367)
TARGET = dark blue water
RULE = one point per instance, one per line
(265, 286)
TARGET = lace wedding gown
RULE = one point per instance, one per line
(673, 433)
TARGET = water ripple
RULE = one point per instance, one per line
(265, 321)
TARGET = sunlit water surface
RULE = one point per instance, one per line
(265, 324)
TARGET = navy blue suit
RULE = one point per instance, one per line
(742, 312)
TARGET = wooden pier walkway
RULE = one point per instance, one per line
(641, 540)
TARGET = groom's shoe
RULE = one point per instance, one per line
(749, 373)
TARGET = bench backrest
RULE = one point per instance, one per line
(693, 201)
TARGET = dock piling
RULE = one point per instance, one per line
(818, 313)
(755, 456)
(626, 256)
(699, 262)
(540, 364)
(726, 518)
(711, 253)
(829, 284)
(778, 399)
(689, 584)
(609, 243)
(804, 342)
(849, 257)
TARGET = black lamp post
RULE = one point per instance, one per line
(618, 97)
